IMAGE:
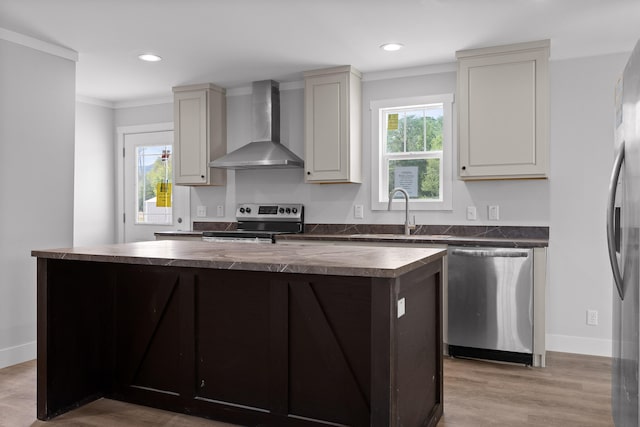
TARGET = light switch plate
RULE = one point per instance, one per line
(494, 212)
(358, 211)
(220, 211)
(201, 211)
(472, 213)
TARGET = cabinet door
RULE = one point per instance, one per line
(190, 116)
(149, 341)
(232, 329)
(326, 128)
(503, 109)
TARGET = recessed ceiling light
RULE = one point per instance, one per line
(390, 47)
(149, 57)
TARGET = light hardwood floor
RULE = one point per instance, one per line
(573, 390)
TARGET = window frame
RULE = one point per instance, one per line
(379, 157)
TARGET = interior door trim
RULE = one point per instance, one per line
(121, 132)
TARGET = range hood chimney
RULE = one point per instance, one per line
(265, 150)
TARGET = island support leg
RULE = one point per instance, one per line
(75, 331)
(43, 412)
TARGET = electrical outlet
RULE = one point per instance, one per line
(494, 212)
(201, 211)
(472, 213)
(401, 307)
(358, 211)
(220, 211)
(592, 317)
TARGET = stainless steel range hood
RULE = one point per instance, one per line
(265, 150)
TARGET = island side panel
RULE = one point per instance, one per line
(383, 351)
(419, 348)
(407, 350)
(75, 317)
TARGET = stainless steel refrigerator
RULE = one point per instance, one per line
(623, 235)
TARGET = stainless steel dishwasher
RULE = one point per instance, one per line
(490, 303)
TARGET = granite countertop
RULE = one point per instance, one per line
(450, 235)
(365, 261)
(437, 239)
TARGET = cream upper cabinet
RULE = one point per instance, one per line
(333, 122)
(503, 112)
(200, 134)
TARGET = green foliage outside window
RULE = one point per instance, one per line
(148, 177)
(418, 131)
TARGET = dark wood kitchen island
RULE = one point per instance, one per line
(279, 335)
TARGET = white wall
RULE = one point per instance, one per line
(37, 109)
(571, 202)
(581, 159)
(156, 113)
(94, 213)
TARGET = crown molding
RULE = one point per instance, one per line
(40, 45)
(94, 101)
(447, 67)
(143, 102)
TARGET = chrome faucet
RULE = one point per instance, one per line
(407, 227)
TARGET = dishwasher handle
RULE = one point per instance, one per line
(491, 253)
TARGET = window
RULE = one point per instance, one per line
(411, 149)
(153, 183)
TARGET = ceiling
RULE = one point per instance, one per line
(233, 42)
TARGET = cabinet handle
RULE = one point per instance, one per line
(308, 173)
(464, 168)
(202, 176)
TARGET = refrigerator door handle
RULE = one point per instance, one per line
(613, 186)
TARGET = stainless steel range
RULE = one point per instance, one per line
(261, 223)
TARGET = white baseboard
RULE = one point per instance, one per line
(17, 354)
(580, 345)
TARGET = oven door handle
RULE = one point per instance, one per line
(611, 240)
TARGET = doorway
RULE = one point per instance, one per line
(148, 200)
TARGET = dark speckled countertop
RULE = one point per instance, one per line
(453, 235)
(364, 261)
(420, 239)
